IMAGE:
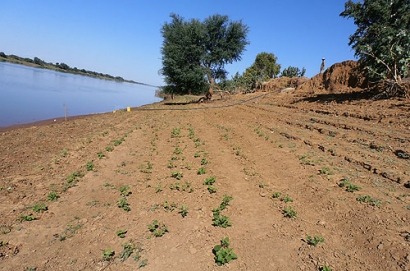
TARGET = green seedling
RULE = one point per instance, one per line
(40, 207)
(100, 155)
(289, 212)
(225, 202)
(276, 195)
(201, 171)
(177, 175)
(185, 187)
(157, 229)
(204, 162)
(108, 254)
(123, 204)
(90, 166)
(348, 185)
(53, 196)
(127, 250)
(109, 148)
(325, 171)
(287, 199)
(314, 240)
(124, 190)
(183, 210)
(169, 206)
(197, 154)
(223, 253)
(121, 233)
(210, 180)
(368, 199)
(212, 189)
(27, 218)
(176, 132)
(219, 220)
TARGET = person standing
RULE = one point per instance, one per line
(322, 66)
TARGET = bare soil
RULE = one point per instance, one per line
(255, 145)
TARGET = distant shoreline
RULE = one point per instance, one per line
(62, 67)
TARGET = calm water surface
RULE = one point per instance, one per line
(30, 94)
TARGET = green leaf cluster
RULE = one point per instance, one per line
(223, 253)
(195, 52)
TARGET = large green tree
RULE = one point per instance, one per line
(194, 53)
(382, 40)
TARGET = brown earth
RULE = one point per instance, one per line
(255, 145)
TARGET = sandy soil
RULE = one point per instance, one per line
(268, 151)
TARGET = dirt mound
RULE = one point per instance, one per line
(283, 82)
(340, 77)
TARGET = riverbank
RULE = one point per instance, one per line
(62, 67)
(289, 161)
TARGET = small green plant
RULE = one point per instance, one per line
(219, 220)
(223, 253)
(100, 155)
(201, 171)
(204, 162)
(119, 141)
(158, 188)
(176, 132)
(287, 199)
(183, 210)
(314, 240)
(289, 212)
(72, 179)
(157, 228)
(212, 189)
(127, 250)
(40, 207)
(276, 195)
(109, 148)
(185, 187)
(210, 180)
(225, 202)
(27, 218)
(169, 206)
(70, 231)
(325, 171)
(90, 166)
(348, 185)
(124, 190)
(178, 151)
(121, 233)
(143, 263)
(53, 196)
(177, 175)
(108, 254)
(123, 204)
(197, 154)
(368, 199)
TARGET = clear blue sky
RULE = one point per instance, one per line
(123, 38)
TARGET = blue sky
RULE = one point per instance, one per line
(123, 38)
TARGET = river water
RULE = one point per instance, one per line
(30, 94)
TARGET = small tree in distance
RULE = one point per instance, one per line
(293, 72)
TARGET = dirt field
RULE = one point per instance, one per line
(68, 188)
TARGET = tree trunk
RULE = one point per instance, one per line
(210, 92)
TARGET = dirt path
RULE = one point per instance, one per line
(273, 153)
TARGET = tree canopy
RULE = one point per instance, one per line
(293, 72)
(194, 53)
(382, 39)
